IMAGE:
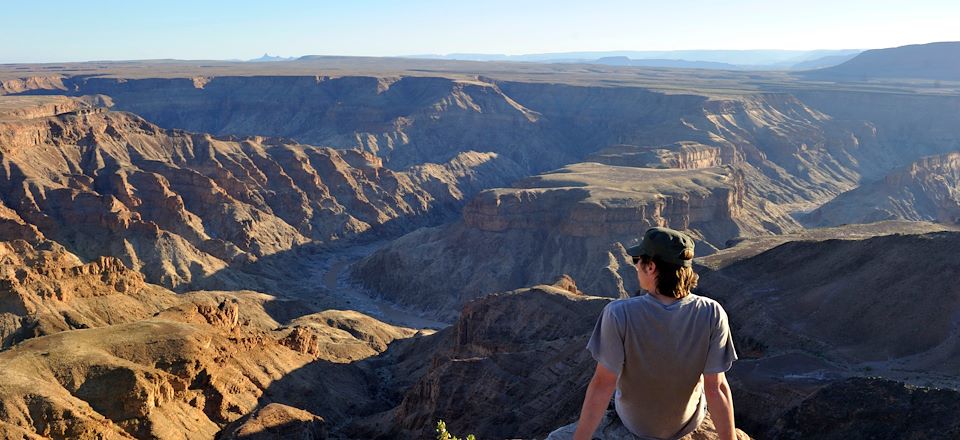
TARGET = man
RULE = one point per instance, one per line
(664, 352)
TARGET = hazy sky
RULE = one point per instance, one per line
(56, 30)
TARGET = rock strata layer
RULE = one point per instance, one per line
(575, 221)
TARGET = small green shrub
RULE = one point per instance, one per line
(442, 433)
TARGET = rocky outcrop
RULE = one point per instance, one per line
(26, 107)
(275, 421)
(466, 174)
(611, 428)
(13, 227)
(44, 290)
(341, 335)
(790, 292)
(30, 83)
(926, 190)
(181, 207)
(682, 155)
(588, 200)
(515, 369)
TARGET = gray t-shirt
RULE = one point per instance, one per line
(660, 353)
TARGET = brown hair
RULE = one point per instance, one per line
(673, 280)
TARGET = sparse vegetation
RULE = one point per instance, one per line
(443, 434)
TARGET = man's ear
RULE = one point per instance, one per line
(649, 267)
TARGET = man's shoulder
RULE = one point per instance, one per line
(621, 307)
(705, 301)
(709, 307)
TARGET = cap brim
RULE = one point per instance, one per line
(637, 251)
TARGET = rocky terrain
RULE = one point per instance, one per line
(188, 370)
(201, 250)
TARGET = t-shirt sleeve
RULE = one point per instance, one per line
(606, 343)
(721, 354)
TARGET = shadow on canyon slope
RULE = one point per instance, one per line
(345, 393)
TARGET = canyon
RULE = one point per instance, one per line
(357, 248)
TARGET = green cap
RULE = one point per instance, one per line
(665, 243)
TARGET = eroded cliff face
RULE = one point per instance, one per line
(45, 289)
(575, 221)
(926, 190)
(588, 200)
(406, 121)
(180, 206)
(682, 155)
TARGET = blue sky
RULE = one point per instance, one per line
(56, 30)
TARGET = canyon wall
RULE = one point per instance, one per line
(182, 207)
(814, 144)
(926, 190)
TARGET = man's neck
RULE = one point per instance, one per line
(663, 299)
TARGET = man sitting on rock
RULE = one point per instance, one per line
(664, 352)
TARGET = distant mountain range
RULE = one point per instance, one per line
(933, 61)
(699, 59)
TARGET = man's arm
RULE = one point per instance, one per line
(595, 403)
(720, 404)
